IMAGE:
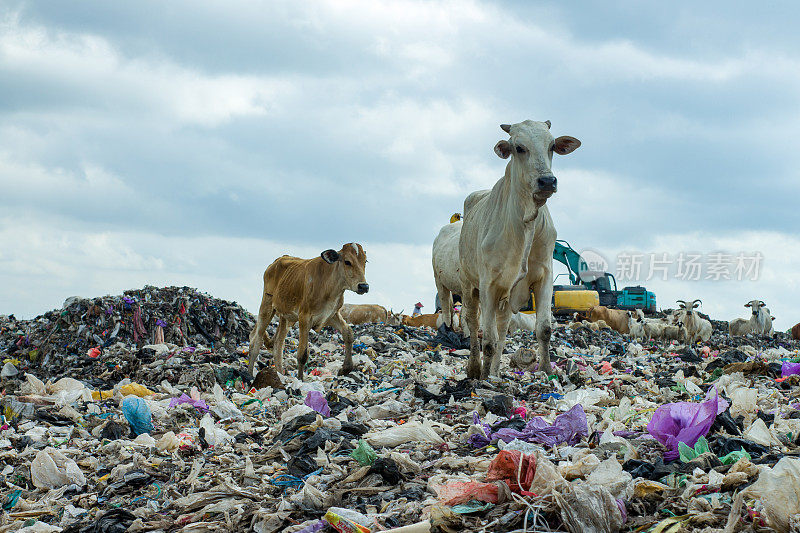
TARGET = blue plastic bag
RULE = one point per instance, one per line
(138, 414)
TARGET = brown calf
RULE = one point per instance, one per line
(368, 313)
(428, 320)
(311, 292)
(616, 319)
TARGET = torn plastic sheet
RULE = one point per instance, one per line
(567, 428)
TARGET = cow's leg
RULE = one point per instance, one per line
(259, 334)
(469, 315)
(489, 302)
(347, 334)
(277, 347)
(302, 345)
(446, 300)
(503, 318)
(542, 295)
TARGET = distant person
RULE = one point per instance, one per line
(417, 309)
(455, 218)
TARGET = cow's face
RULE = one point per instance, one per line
(531, 148)
(350, 263)
(755, 306)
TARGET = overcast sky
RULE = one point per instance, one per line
(193, 142)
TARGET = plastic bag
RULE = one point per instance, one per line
(51, 469)
(213, 435)
(685, 421)
(510, 466)
(568, 428)
(224, 408)
(409, 432)
(610, 475)
(760, 434)
(364, 453)
(789, 369)
(316, 400)
(198, 404)
(687, 454)
(778, 488)
(590, 509)
(464, 491)
(138, 414)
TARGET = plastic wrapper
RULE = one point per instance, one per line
(342, 524)
(567, 428)
(685, 421)
(51, 469)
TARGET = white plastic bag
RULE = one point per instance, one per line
(51, 469)
(778, 488)
(224, 408)
(214, 435)
(609, 474)
(409, 432)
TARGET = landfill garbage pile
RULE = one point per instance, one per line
(177, 436)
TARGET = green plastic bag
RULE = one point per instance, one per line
(687, 453)
(364, 453)
(734, 456)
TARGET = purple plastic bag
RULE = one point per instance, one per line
(789, 369)
(200, 405)
(568, 427)
(685, 421)
(316, 401)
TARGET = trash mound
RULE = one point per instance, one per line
(176, 435)
(100, 327)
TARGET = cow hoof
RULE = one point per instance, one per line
(344, 371)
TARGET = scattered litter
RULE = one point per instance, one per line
(137, 413)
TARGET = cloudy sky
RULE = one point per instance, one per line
(193, 143)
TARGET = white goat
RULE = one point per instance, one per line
(697, 328)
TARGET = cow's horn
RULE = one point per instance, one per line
(506, 127)
(698, 300)
(548, 124)
(680, 302)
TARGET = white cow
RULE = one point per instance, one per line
(506, 245)
(760, 321)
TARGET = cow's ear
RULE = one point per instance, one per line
(748, 305)
(695, 305)
(330, 256)
(503, 149)
(565, 145)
